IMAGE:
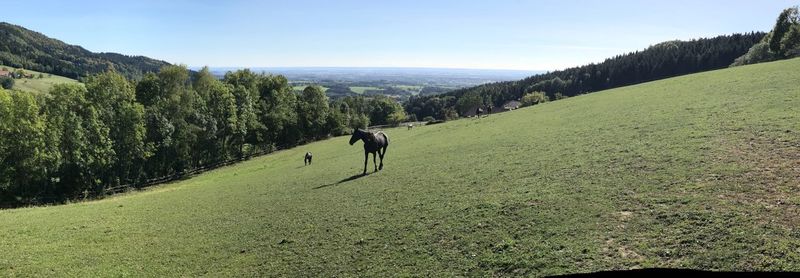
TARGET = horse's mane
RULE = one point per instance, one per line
(369, 136)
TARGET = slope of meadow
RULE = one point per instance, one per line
(699, 171)
(36, 84)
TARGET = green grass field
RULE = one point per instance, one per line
(300, 88)
(36, 84)
(700, 171)
(361, 90)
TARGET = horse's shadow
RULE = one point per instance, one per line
(351, 178)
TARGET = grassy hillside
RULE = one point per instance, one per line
(699, 171)
(36, 84)
(659, 61)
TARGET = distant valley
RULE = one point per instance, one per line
(399, 83)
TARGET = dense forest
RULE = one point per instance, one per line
(23, 48)
(659, 61)
(79, 141)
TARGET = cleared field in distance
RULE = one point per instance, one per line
(361, 90)
(37, 84)
(301, 87)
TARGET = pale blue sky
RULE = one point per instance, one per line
(496, 34)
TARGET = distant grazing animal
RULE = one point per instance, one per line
(307, 160)
(410, 126)
(373, 143)
(489, 110)
(478, 112)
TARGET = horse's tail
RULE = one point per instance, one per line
(386, 139)
(385, 146)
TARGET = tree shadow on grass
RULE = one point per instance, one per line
(351, 178)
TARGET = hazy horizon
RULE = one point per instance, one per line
(462, 77)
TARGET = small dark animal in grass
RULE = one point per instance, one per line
(478, 112)
(307, 160)
(373, 143)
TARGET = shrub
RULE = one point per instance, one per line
(450, 114)
(397, 117)
(6, 82)
(534, 98)
(428, 119)
(757, 54)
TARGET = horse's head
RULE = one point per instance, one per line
(356, 136)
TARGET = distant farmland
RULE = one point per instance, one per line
(36, 84)
(301, 87)
(361, 90)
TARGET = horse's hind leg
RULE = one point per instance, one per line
(382, 154)
(374, 162)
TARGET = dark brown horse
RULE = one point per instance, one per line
(373, 143)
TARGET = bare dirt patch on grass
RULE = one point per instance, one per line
(769, 182)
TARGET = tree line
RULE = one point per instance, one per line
(79, 140)
(782, 42)
(664, 60)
